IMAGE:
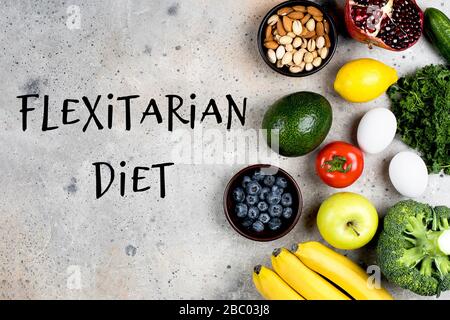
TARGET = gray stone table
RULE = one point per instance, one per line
(58, 241)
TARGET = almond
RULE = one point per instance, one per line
(280, 28)
(287, 24)
(271, 45)
(327, 41)
(284, 11)
(304, 31)
(309, 67)
(296, 15)
(309, 34)
(299, 8)
(305, 18)
(272, 20)
(269, 35)
(318, 18)
(314, 11)
(320, 29)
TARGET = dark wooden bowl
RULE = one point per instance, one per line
(263, 51)
(266, 235)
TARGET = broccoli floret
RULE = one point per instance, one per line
(408, 252)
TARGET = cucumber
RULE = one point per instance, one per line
(437, 28)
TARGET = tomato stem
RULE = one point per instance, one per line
(337, 163)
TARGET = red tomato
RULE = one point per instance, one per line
(339, 164)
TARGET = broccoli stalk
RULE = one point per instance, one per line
(427, 249)
(426, 267)
(444, 241)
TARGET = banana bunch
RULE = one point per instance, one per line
(313, 271)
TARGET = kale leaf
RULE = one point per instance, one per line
(421, 103)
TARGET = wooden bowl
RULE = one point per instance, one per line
(332, 34)
(266, 235)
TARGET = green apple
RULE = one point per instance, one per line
(347, 220)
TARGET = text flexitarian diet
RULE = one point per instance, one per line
(101, 112)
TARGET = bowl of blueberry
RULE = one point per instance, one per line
(262, 202)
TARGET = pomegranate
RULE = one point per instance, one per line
(391, 24)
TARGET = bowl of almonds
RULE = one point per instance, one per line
(297, 38)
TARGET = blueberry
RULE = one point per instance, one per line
(238, 194)
(274, 224)
(241, 210)
(277, 190)
(275, 210)
(251, 199)
(286, 199)
(281, 182)
(287, 212)
(269, 180)
(258, 176)
(247, 223)
(253, 213)
(273, 198)
(258, 226)
(253, 187)
(263, 206)
(245, 180)
(264, 191)
(264, 217)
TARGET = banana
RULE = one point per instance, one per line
(302, 279)
(271, 286)
(340, 270)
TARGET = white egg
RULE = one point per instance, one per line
(376, 130)
(408, 174)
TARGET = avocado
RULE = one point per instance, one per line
(303, 120)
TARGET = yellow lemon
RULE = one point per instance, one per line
(363, 80)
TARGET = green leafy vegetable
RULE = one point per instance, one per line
(421, 103)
